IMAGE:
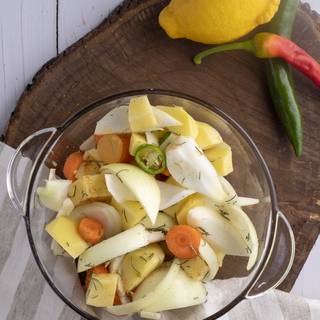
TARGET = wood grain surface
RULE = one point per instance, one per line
(130, 51)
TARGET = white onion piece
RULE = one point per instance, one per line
(118, 245)
(154, 295)
(164, 119)
(209, 256)
(88, 144)
(171, 194)
(183, 291)
(245, 201)
(151, 138)
(150, 315)
(142, 185)
(245, 227)
(115, 121)
(190, 167)
(114, 266)
(119, 191)
(217, 230)
(102, 212)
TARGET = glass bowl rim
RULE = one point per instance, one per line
(152, 91)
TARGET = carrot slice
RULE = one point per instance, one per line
(166, 172)
(72, 164)
(98, 269)
(113, 148)
(91, 230)
(183, 241)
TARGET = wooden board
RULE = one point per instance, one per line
(130, 51)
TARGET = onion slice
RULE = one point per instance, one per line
(119, 191)
(209, 256)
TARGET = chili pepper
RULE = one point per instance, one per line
(280, 80)
(150, 159)
(270, 45)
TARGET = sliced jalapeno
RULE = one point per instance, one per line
(150, 159)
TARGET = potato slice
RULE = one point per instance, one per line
(221, 157)
(207, 136)
(89, 188)
(65, 232)
(136, 140)
(102, 289)
(189, 126)
(131, 212)
(137, 265)
(195, 268)
(140, 115)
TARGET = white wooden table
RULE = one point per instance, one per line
(34, 31)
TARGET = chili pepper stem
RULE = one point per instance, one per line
(244, 45)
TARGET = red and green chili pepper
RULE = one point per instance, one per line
(270, 45)
(150, 159)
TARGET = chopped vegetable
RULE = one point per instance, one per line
(136, 180)
(164, 119)
(119, 191)
(88, 144)
(151, 138)
(102, 289)
(97, 270)
(245, 227)
(137, 265)
(216, 228)
(150, 159)
(55, 192)
(113, 148)
(245, 201)
(182, 155)
(207, 136)
(209, 256)
(131, 213)
(163, 223)
(183, 291)
(171, 194)
(136, 140)
(141, 116)
(120, 244)
(90, 230)
(90, 167)
(89, 189)
(196, 268)
(189, 126)
(183, 241)
(220, 156)
(105, 214)
(72, 164)
(153, 294)
(115, 121)
(65, 232)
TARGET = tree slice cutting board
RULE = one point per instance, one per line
(130, 51)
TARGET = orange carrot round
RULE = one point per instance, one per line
(183, 241)
(90, 230)
(72, 164)
(97, 270)
(114, 148)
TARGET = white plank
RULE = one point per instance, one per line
(27, 41)
(78, 17)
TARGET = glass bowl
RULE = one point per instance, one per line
(49, 147)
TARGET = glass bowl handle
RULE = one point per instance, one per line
(21, 165)
(279, 261)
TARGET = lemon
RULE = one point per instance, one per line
(215, 21)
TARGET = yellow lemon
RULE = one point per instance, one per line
(215, 21)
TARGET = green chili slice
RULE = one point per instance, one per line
(150, 158)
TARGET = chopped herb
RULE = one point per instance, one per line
(118, 174)
(248, 237)
(124, 214)
(83, 194)
(248, 249)
(143, 258)
(205, 276)
(68, 244)
(161, 228)
(135, 269)
(231, 198)
(74, 192)
(195, 298)
(183, 180)
(150, 256)
(95, 297)
(203, 231)
(199, 150)
(88, 265)
(224, 215)
(95, 280)
(199, 175)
